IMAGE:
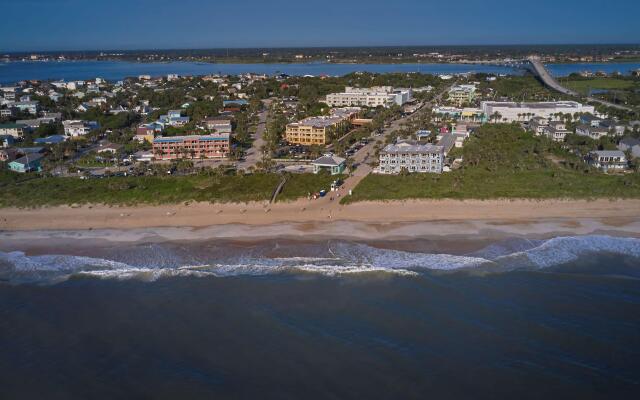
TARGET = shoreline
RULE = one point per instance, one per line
(311, 217)
(368, 62)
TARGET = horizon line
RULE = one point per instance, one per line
(316, 47)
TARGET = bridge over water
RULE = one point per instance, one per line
(545, 76)
(535, 66)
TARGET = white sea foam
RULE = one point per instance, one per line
(396, 259)
(345, 259)
(562, 250)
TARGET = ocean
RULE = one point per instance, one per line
(322, 319)
(12, 72)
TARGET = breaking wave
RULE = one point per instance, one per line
(342, 258)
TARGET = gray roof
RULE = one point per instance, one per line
(29, 158)
(608, 153)
(407, 147)
(447, 142)
(329, 160)
(629, 141)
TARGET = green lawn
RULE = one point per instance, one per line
(134, 190)
(583, 86)
(300, 185)
(502, 161)
(14, 192)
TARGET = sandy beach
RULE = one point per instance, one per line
(320, 216)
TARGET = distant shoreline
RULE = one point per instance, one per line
(363, 62)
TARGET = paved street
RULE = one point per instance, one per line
(550, 81)
(254, 154)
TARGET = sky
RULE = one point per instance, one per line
(46, 25)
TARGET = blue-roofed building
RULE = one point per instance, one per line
(239, 102)
(53, 139)
(28, 163)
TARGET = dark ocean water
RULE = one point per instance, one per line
(115, 70)
(543, 319)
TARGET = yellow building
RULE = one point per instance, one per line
(320, 130)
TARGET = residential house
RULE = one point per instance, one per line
(75, 128)
(631, 145)
(111, 148)
(614, 127)
(608, 160)
(145, 133)
(236, 102)
(218, 125)
(13, 129)
(423, 134)
(173, 118)
(51, 116)
(53, 139)
(556, 131)
(143, 156)
(118, 110)
(30, 124)
(591, 132)
(27, 163)
(6, 140)
(8, 154)
(589, 119)
(84, 107)
(30, 107)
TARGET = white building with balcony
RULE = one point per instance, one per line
(412, 157)
(379, 96)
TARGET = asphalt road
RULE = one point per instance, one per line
(254, 154)
(550, 81)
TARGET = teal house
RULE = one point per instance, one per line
(28, 163)
(329, 162)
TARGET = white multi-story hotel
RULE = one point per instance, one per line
(411, 156)
(510, 111)
(384, 96)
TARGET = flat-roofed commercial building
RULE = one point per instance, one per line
(517, 112)
(412, 156)
(378, 96)
(191, 146)
(319, 130)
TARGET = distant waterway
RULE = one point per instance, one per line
(116, 70)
